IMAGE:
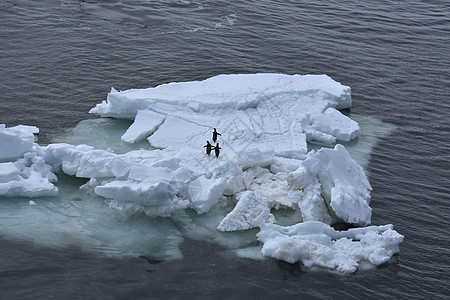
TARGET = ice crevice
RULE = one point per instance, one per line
(265, 121)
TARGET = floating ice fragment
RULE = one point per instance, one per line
(335, 124)
(317, 244)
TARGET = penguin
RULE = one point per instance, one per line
(215, 134)
(217, 150)
(208, 147)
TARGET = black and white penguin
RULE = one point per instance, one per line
(215, 134)
(208, 147)
(217, 150)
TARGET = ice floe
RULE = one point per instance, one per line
(265, 121)
(317, 244)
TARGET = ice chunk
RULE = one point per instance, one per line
(16, 141)
(145, 123)
(33, 186)
(154, 197)
(151, 190)
(204, 193)
(26, 129)
(310, 201)
(224, 91)
(148, 192)
(8, 172)
(124, 107)
(29, 176)
(138, 181)
(265, 191)
(343, 184)
(335, 124)
(317, 244)
(18, 180)
(35, 162)
(84, 161)
(252, 210)
(349, 196)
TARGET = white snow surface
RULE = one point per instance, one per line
(268, 112)
(265, 121)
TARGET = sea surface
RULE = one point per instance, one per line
(60, 58)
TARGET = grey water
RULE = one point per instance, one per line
(60, 58)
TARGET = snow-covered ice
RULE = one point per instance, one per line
(266, 122)
(23, 172)
(336, 180)
(16, 141)
(317, 244)
(145, 123)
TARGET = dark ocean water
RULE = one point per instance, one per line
(60, 58)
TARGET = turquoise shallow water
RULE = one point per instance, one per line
(60, 58)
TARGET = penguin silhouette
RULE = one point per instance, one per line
(215, 134)
(217, 150)
(208, 147)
